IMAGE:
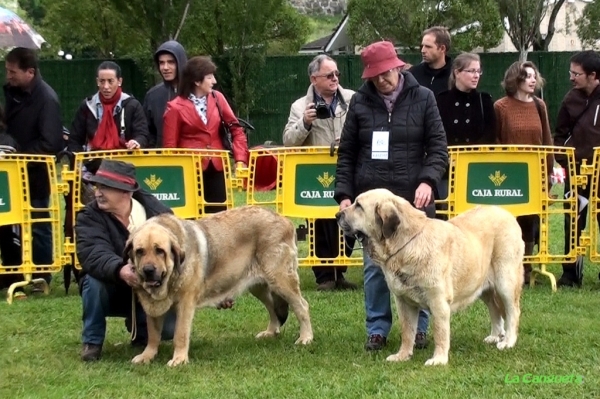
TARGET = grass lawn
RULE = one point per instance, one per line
(559, 335)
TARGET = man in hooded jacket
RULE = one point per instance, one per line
(170, 58)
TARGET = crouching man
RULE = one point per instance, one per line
(102, 228)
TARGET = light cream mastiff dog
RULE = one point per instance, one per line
(442, 266)
(190, 264)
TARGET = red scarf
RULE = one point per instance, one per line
(107, 135)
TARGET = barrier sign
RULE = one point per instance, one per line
(165, 183)
(315, 185)
(491, 183)
(4, 193)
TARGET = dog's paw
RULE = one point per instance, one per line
(304, 340)
(437, 361)
(506, 343)
(493, 339)
(399, 357)
(177, 360)
(142, 359)
(267, 334)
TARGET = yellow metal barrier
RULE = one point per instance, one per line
(304, 189)
(16, 209)
(516, 178)
(174, 176)
(589, 236)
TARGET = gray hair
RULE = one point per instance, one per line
(315, 64)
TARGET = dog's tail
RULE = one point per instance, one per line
(281, 308)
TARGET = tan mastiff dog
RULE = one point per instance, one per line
(189, 264)
(442, 266)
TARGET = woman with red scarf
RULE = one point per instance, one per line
(110, 119)
(193, 119)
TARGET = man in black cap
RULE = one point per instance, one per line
(102, 228)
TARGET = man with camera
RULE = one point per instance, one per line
(317, 119)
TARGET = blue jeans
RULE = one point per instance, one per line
(377, 301)
(101, 300)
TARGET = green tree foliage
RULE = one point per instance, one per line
(239, 33)
(474, 23)
(34, 9)
(91, 28)
(588, 26)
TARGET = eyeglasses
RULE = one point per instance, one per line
(473, 71)
(576, 74)
(330, 75)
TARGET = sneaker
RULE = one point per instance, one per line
(91, 352)
(343, 284)
(421, 340)
(326, 286)
(375, 342)
(19, 295)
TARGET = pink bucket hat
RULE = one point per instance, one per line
(378, 58)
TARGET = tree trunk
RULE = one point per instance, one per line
(523, 54)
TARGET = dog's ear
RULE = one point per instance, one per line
(387, 217)
(177, 252)
(127, 251)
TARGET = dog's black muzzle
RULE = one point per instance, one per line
(151, 276)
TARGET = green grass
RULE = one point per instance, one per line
(40, 343)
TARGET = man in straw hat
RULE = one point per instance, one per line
(102, 228)
(395, 135)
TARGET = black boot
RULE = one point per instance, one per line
(569, 277)
(527, 266)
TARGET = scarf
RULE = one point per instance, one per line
(107, 135)
(201, 106)
(390, 99)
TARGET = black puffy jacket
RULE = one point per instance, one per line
(418, 150)
(101, 237)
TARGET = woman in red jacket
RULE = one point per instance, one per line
(192, 120)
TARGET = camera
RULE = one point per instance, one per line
(322, 109)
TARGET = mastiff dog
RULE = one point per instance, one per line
(193, 264)
(442, 266)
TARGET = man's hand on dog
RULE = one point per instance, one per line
(128, 275)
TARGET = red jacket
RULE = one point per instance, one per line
(183, 128)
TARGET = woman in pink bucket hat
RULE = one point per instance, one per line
(393, 138)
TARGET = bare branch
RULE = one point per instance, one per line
(183, 17)
(551, 24)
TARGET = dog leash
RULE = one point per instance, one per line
(133, 319)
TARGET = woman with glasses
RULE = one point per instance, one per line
(522, 118)
(468, 115)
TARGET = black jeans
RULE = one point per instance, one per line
(327, 246)
(214, 188)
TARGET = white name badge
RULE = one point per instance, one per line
(380, 145)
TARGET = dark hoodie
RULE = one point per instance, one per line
(435, 80)
(157, 97)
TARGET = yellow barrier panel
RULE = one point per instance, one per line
(304, 189)
(516, 178)
(589, 237)
(173, 176)
(16, 209)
